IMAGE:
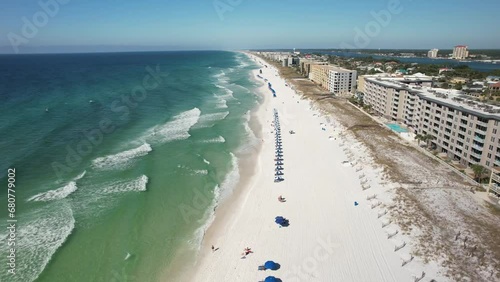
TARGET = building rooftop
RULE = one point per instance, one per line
(448, 97)
(335, 68)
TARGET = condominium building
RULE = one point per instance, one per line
(319, 74)
(305, 66)
(466, 131)
(494, 186)
(460, 52)
(342, 81)
(334, 79)
(433, 53)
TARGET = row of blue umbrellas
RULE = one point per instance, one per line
(278, 177)
(272, 266)
(271, 88)
(279, 150)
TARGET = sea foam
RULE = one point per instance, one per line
(56, 194)
(218, 139)
(220, 193)
(228, 93)
(177, 128)
(122, 159)
(38, 237)
(136, 185)
(209, 120)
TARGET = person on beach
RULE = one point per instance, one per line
(213, 248)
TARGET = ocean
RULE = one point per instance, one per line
(120, 158)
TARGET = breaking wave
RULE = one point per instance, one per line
(219, 139)
(38, 238)
(56, 194)
(136, 185)
(121, 159)
(177, 128)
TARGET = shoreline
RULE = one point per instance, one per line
(247, 167)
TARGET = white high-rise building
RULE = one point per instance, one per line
(433, 53)
(334, 79)
(342, 81)
(460, 52)
(466, 131)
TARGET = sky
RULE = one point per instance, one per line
(28, 26)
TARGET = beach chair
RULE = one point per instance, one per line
(261, 267)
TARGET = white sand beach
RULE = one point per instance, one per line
(329, 237)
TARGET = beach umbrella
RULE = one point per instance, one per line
(279, 220)
(271, 279)
(271, 265)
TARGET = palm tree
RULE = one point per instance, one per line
(419, 138)
(479, 171)
(427, 138)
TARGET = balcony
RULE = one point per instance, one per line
(497, 163)
(479, 139)
(482, 123)
(495, 188)
(476, 155)
(477, 147)
(480, 131)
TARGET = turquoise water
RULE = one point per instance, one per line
(120, 158)
(396, 127)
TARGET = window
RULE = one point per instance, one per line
(491, 147)
(487, 163)
(492, 139)
(489, 156)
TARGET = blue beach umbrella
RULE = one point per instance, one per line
(271, 279)
(271, 265)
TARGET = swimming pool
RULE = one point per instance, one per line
(396, 127)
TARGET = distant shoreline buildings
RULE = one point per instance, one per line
(334, 79)
(460, 52)
(433, 53)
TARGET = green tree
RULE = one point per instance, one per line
(458, 86)
(427, 138)
(419, 138)
(479, 171)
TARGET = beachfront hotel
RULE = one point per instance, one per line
(460, 52)
(305, 66)
(463, 130)
(334, 79)
(433, 53)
